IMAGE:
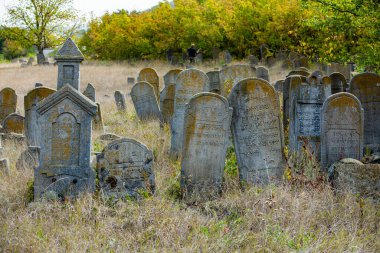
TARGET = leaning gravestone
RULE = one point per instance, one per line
(205, 140)
(31, 100)
(214, 78)
(65, 137)
(125, 169)
(257, 131)
(167, 102)
(120, 101)
(68, 59)
(341, 129)
(150, 76)
(305, 103)
(189, 83)
(338, 83)
(90, 92)
(145, 101)
(366, 87)
(8, 102)
(171, 76)
(231, 75)
(262, 72)
(13, 123)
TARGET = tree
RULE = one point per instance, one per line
(46, 22)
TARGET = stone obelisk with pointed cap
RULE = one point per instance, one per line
(68, 59)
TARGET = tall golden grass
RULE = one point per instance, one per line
(284, 218)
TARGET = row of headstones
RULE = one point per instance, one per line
(145, 92)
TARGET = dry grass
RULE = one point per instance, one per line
(285, 218)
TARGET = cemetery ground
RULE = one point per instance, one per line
(302, 214)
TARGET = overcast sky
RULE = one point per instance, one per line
(98, 7)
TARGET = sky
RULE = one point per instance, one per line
(97, 7)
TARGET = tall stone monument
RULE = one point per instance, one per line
(257, 131)
(68, 59)
(65, 145)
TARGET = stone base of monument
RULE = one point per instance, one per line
(350, 175)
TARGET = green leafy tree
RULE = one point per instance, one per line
(46, 22)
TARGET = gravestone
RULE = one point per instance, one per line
(338, 83)
(341, 129)
(125, 169)
(65, 137)
(8, 102)
(90, 92)
(215, 53)
(262, 72)
(205, 140)
(287, 64)
(257, 131)
(189, 83)
(28, 159)
(345, 70)
(150, 76)
(131, 80)
(145, 101)
(68, 59)
(271, 61)
(171, 76)
(13, 123)
(97, 120)
(214, 78)
(253, 60)
(278, 85)
(227, 56)
(231, 75)
(366, 87)
(301, 62)
(31, 100)
(167, 102)
(305, 103)
(120, 101)
(285, 97)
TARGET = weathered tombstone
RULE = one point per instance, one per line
(227, 56)
(341, 128)
(150, 75)
(257, 131)
(271, 61)
(214, 78)
(125, 169)
(262, 72)
(205, 140)
(65, 137)
(97, 120)
(120, 101)
(131, 80)
(253, 60)
(345, 70)
(68, 59)
(305, 103)
(366, 87)
(145, 101)
(4, 166)
(231, 75)
(301, 62)
(90, 92)
(8, 102)
(285, 97)
(189, 83)
(278, 85)
(352, 176)
(338, 83)
(36, 85)
(13, 123)
(167, 102)
(215, 53)
(171, 76)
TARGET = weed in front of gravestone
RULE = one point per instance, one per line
(173, 190)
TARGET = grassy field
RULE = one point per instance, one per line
(301, 215)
